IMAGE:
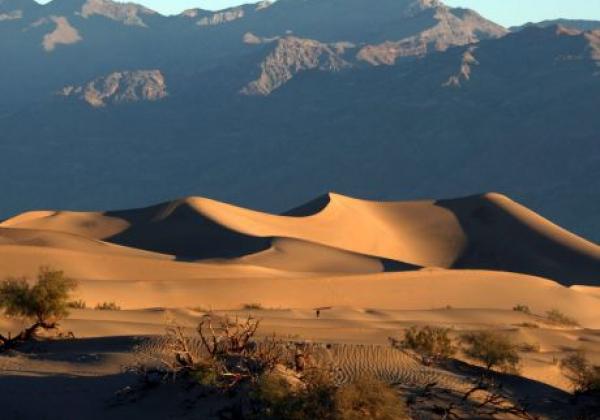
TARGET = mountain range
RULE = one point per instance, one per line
(107, 104)
(580, 24)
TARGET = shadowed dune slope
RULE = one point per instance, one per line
(487, 232)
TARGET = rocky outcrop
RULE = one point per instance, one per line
(126, 13)
(464, 73)
(120, 87)
(252, 39)
(229, 15)
(63, 33)
(454, 27)
(293, 55)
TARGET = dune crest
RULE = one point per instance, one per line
(487, 231)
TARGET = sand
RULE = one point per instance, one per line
(379, 267)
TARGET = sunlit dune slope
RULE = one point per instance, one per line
(487, 231)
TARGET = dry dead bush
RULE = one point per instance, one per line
(223, 354)
(272, 378)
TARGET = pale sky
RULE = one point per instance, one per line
(505, 12)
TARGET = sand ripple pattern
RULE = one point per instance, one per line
(385, 363)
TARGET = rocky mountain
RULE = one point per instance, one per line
(120, 87)
(44, 44)
(264, 105)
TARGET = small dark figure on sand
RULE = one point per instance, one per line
(318, 313)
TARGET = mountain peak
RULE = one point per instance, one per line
(127, 13)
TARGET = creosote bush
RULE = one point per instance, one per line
(44, 303)
(107, 306)
(368, 398)
(77, 304)
(558, 317)
(522, 308)
(253, 307)
(492, 349)
(584, 376)
(365, 398)
(432, 344)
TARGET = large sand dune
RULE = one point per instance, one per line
(484, 252)
(486, 232)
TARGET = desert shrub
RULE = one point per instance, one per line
(278, 398)
(522, 308)
(107, 306)
(529, 347)
(77, 304)
(224, 354)
(252, 307)
(558, 317)
(264, 373)
(430, 343)
(368, 398)
(492, 349)
(45, 302)
(584, 376)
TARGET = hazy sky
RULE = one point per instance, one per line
(505, 12)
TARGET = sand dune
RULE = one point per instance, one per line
(485, 232)
(479, 252)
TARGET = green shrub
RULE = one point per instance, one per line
(107, 306)
(365, 398)
(276, 398)
(45, 302)
(492, 349)
(522, 308)
(584, 377)
(205, 374)
(558, 317)
(368, 398)
(430, 343)
(77, 304)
